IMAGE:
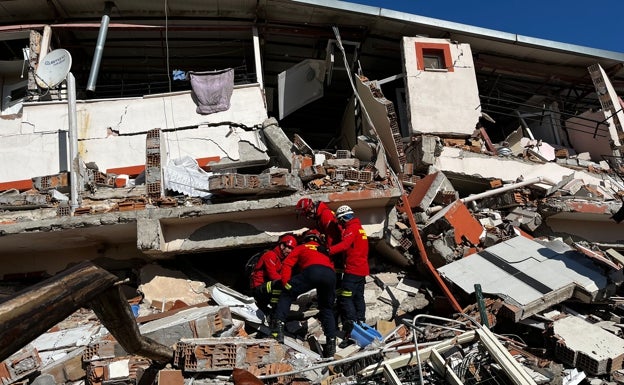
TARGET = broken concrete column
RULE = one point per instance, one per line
(149, 235)
(456, 216)
(426, 189)
(278, 143)
(424, 150)
(525, 219)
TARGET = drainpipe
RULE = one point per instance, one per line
(74, 161)
(99, 47)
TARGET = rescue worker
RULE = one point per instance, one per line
(316, 271)
(354, 244)
(326, 222)
(265, 280)
(324, 217)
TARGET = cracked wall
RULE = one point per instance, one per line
(111, 133)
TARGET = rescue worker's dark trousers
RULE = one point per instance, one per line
(267, 295)
(321, 278)
(351, 298)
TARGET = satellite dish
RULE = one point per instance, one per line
(53, 68)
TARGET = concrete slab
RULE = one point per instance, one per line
(526, 274)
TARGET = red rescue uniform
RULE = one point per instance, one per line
(327, 223)
(355, 245)
(304, 256)
(268, 267)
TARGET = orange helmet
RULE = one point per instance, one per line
(305, 206)
(288, 240)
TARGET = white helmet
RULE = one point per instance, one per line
(344, 213)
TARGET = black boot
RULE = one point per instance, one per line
(330, 348)
(277, 330)
(346, 341)
(347, 327)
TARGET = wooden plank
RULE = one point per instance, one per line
(33, 311)
(115, 313)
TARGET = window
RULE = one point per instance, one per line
(435, 57)
(19, 93)
(13, 96)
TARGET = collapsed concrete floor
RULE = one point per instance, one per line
(494, 286)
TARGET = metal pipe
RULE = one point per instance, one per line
(258, 57)
(74, 161)
(496, 191)
(415, 332)
(99, 47)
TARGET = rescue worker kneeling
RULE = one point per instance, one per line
(316, 272)
(265, 280)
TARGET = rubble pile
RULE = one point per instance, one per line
(492, 262)
(528, 284)
(217, 335)
(486, 243)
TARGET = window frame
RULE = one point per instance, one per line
(440, 51)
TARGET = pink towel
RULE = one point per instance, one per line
(212, 90)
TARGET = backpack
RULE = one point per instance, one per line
(251, 263)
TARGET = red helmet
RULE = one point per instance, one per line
(312, 235)
(288, 240)
(305, 206)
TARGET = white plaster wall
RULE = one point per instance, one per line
(581, 134)
(378, 113)
(593, 228)
(441, 102)
(507, 169)
(29, 147)
(24, 156)
(200, 142)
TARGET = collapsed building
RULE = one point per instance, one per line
(487, 164)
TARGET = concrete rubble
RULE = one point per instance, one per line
(494, 241)
(491, 262)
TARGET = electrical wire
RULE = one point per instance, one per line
(350, 76)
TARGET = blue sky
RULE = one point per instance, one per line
(591, 24)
